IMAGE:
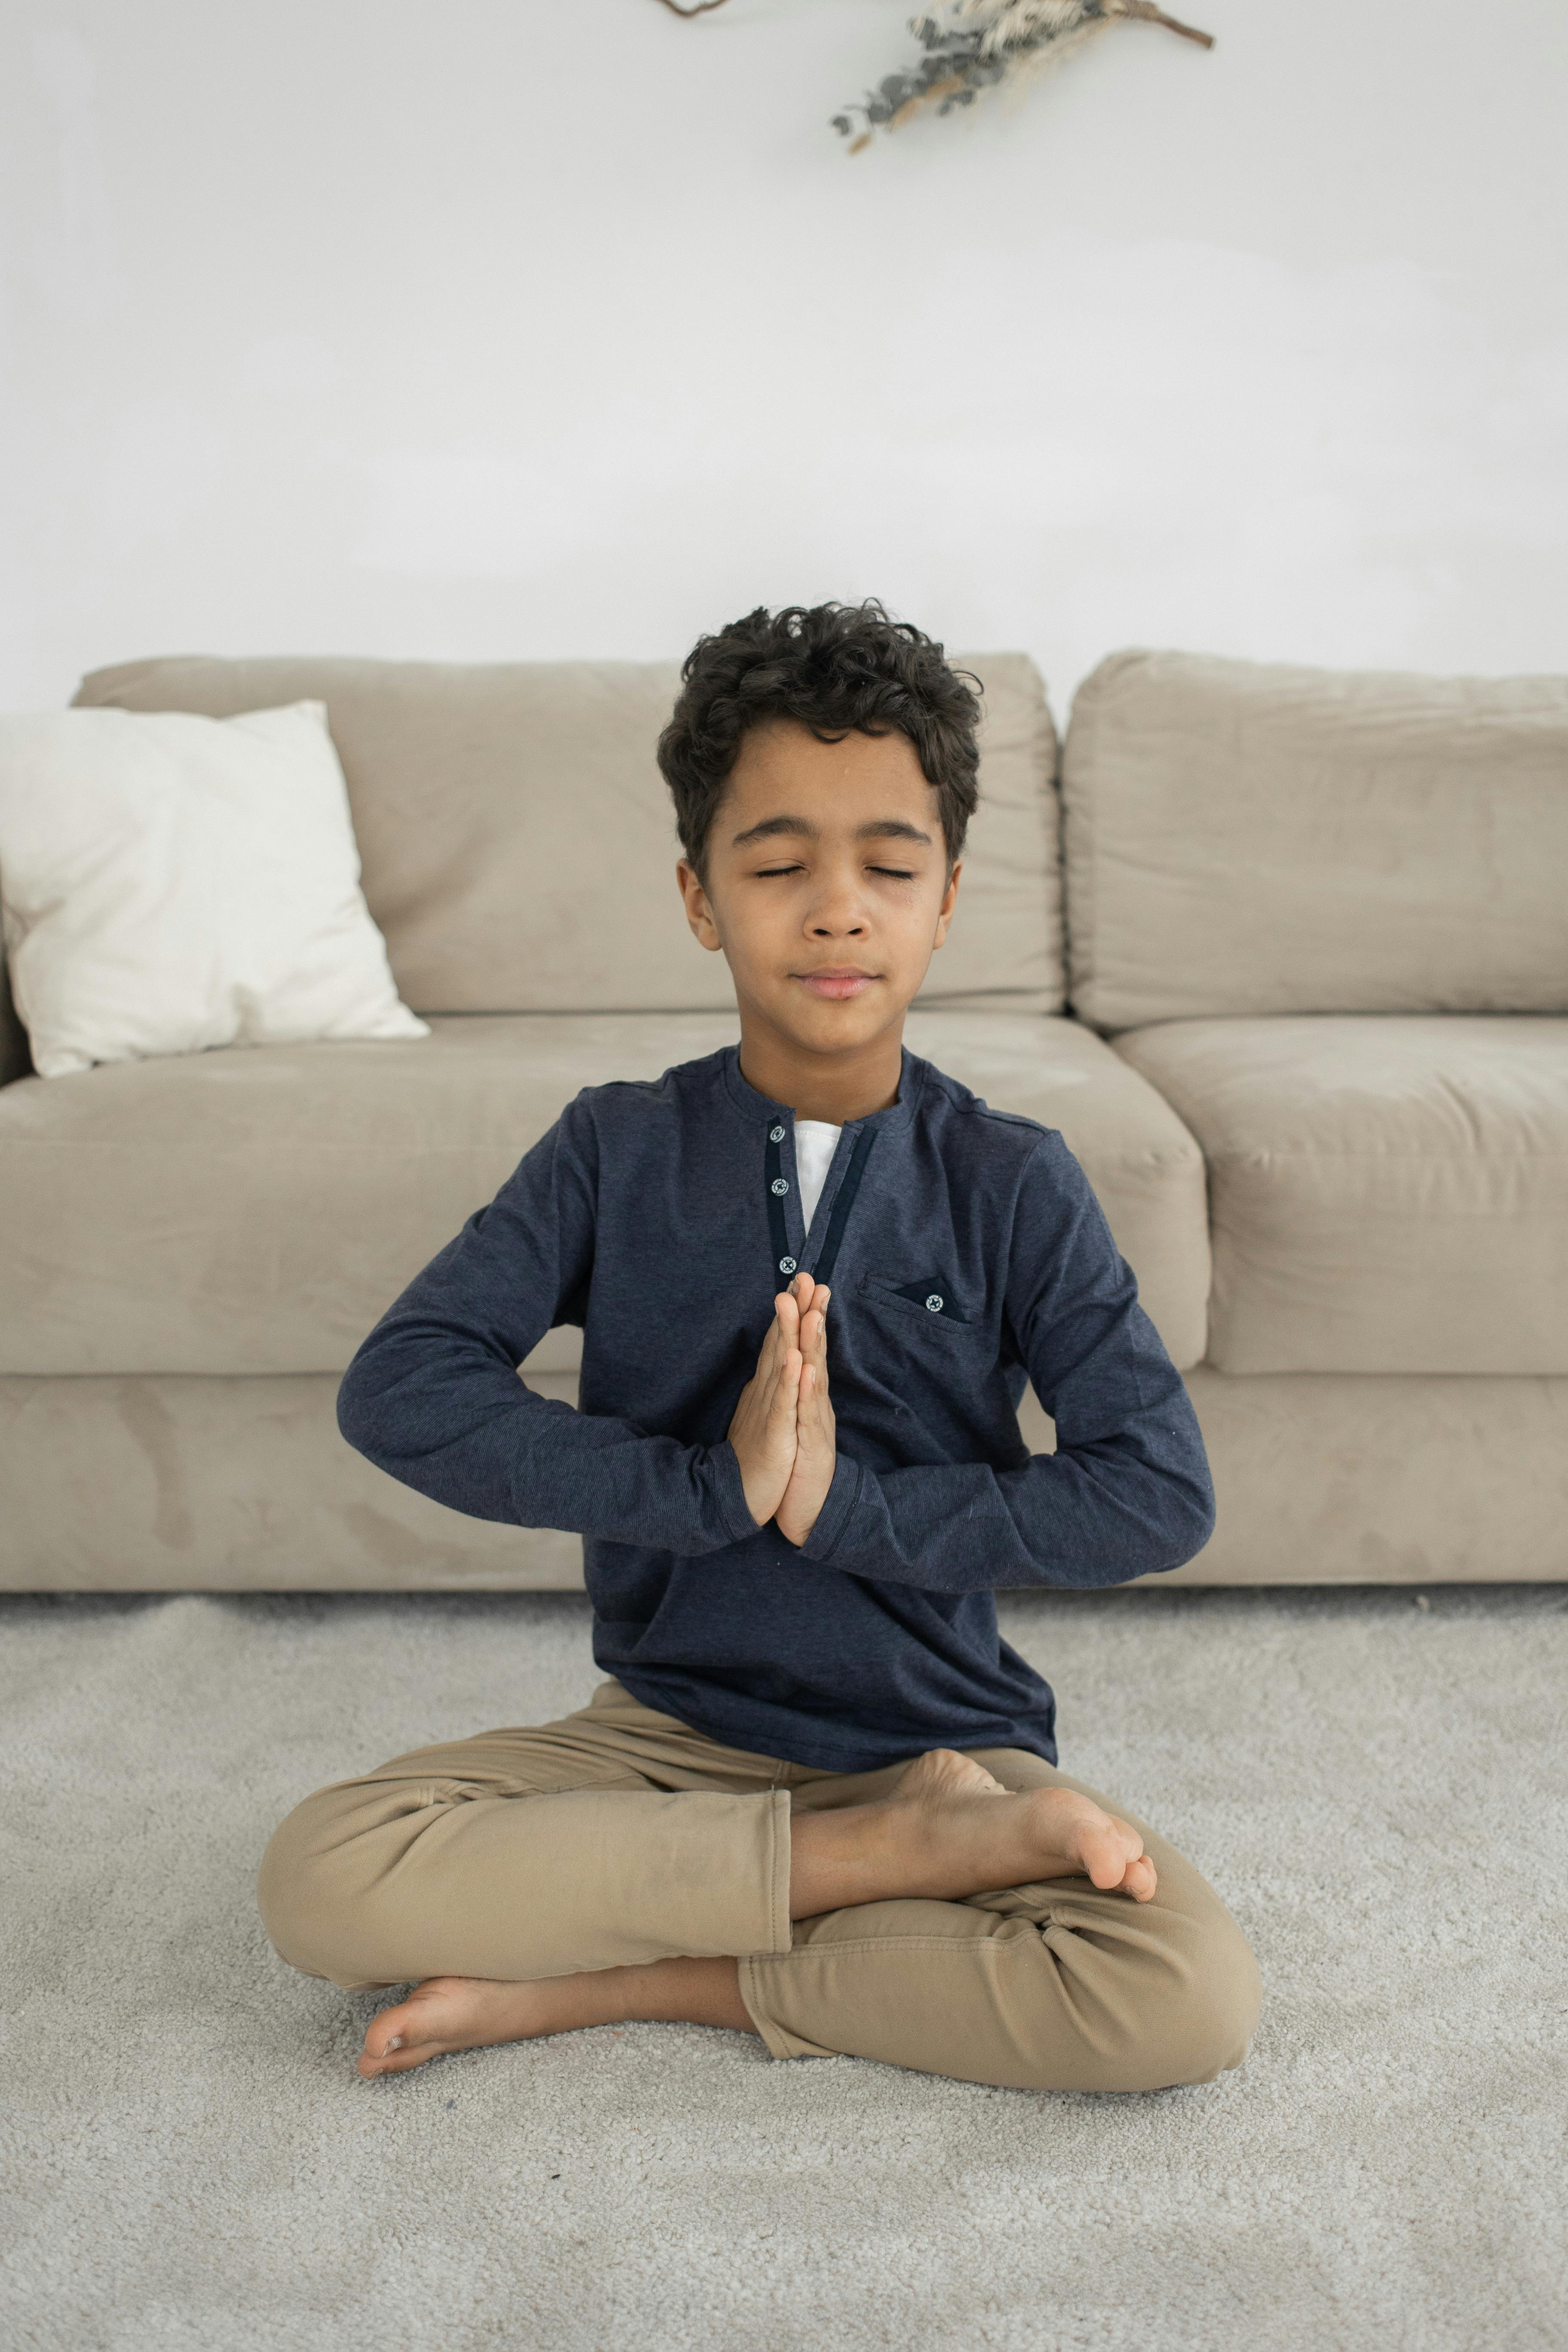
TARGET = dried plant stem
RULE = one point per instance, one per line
(1150, 16)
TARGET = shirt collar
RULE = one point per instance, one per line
(759, 1107)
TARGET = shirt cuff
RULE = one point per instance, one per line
(730, 1490)
(833, 1516)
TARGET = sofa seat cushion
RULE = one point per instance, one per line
(1387, 1194)
(257, 1210)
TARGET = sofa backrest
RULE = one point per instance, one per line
(519, 843)
(1243, 838)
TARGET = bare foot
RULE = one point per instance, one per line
(447, 2013)
(949, 1830)
(1033, 1834)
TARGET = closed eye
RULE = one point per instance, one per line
(893, 873)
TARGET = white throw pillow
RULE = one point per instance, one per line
(169, 883)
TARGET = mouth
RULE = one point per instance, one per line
(836, 985)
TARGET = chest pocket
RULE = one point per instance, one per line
(928, 1300)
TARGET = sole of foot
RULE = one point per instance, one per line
(965, 1843)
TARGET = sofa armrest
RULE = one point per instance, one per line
(15, 1058)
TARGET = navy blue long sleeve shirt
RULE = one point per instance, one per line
(966, 1254)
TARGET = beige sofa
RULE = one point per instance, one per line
(1313, 930)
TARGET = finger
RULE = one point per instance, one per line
(770, 1350)
(812, 1416)
(787, 1390)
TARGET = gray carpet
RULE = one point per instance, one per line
(1376, 1785)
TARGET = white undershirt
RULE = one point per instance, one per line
(815, 1145)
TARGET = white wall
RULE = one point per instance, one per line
(494, 328)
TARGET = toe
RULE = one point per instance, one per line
(1142, 1879)
(1110, 1854)
(398, 2038)
(387, 2031)
(398, 2062)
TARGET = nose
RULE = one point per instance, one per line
(838, 912)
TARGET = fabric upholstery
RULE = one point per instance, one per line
(1243, 838)
(519, 844)
(1381, 1479)
(170, 1484)
(257, 1210)
(1386, 1194)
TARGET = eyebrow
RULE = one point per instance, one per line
(884, 828)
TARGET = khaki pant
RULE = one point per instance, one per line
(619, 1835)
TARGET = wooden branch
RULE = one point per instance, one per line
(700, 9)
(1150, 15)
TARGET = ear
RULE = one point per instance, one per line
(944, 912)
(699, 910)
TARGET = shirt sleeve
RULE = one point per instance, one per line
(1127, 1493)
(433, 1396)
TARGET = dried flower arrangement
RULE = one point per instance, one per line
(971, 44)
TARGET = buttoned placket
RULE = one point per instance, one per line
(786, 1233)
(786, 1225)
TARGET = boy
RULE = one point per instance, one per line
(816, 1800)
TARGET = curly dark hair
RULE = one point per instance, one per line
(834, 667)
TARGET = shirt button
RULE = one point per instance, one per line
(775, 1135)
(786, 1266)
(781, 1184)
(934, 1304)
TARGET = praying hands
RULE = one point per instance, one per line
(783, 1431)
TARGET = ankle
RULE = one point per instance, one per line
(844, 1858)
(685, 1990)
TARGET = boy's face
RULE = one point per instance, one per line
(828, 885)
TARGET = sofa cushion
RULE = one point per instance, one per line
(170, 883)
(1386, 1194)
(257, 1210)
(1245, 839)
(519, 843)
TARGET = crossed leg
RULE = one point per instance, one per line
(940, 1833)
(998, 1925)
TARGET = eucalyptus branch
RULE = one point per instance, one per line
(971, 45)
